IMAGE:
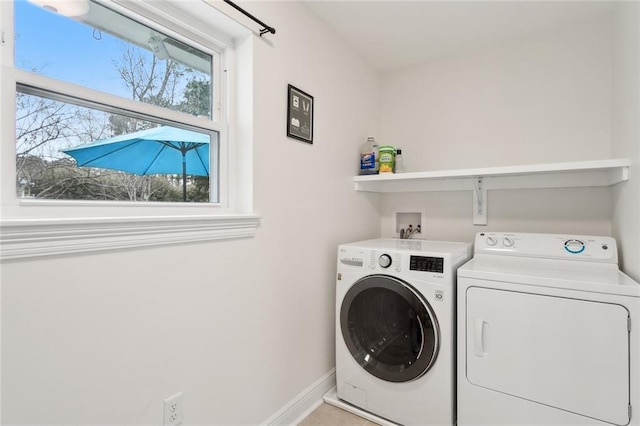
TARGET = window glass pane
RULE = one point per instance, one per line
(65, 151)
(107, 51)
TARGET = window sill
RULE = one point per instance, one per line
(33, 238)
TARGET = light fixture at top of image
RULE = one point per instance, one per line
(70, 8)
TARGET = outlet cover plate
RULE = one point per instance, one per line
(173, 410)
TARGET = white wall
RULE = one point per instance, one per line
(241, 327)
(540, 99)
(626, 132)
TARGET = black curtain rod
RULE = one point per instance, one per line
(266, 29)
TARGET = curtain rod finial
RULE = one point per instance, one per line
(267, 30)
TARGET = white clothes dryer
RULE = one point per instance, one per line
(395, 341)
(548, 333)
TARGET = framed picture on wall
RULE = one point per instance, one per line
(299, 115)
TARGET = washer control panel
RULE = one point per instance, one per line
(388, 261)
(552, 246)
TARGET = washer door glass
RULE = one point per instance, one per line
(389, 328)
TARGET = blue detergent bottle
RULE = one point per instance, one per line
(369, 161)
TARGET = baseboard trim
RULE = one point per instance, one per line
(303, 404)
(331, 397)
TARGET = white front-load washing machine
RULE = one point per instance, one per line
(548, 333)
(395, 328)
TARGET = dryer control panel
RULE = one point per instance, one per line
(550, 246)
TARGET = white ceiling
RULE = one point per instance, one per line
(396, 34)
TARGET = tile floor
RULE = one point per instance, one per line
(327, 414)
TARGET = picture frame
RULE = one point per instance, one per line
(299, 114)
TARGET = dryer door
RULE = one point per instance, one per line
(570, 354)
(389, 328)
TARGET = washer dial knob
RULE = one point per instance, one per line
(508, 242)
(574, 246)
(385, 260)
(491, 241)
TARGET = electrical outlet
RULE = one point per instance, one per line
(173, 410)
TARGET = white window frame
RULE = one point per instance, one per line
(34, 228)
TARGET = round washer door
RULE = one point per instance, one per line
(389, 328)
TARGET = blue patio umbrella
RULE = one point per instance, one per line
(161, 150)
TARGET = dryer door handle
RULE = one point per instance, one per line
(480, 327)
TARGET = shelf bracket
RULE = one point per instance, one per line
(479, 201)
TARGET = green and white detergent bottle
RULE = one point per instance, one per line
(387, 154)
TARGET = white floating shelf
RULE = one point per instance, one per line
(553, 175)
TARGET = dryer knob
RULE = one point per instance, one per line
(574, 246)
(491, 241)
(507, 242)
(385, 260)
